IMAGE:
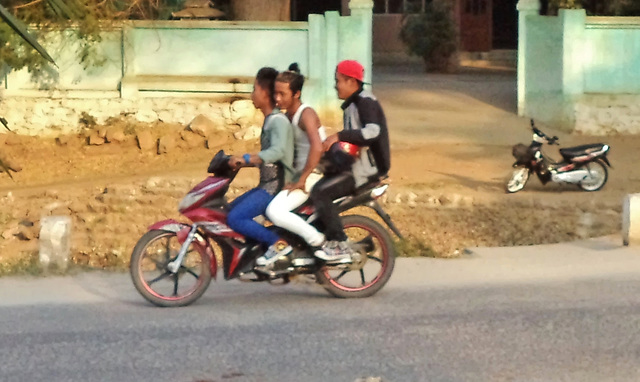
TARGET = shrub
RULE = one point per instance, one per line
(431, 35)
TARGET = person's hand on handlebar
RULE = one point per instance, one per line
(235, 162)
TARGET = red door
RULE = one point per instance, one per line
(476, 25)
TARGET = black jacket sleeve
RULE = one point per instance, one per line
(372, 120)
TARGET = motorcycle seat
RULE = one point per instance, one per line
(572, 152)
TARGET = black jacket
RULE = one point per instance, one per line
(365, 125)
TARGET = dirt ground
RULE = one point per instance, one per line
(451, 139)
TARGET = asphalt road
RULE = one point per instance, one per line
(568, 312)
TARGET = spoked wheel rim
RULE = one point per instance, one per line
(375, 262)
(158, 280)
(596, 178)
(518, 179)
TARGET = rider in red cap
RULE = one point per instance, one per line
(364, 125)
(351, 68)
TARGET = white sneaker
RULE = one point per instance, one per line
(335, 252)
(273, 253)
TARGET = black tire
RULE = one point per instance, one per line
(381, 243)
(142, 261)
(601, 169)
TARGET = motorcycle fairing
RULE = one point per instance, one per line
(212, 188)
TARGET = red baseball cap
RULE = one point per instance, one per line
(351, 68)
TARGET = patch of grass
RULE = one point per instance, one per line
(412, 247)
(26, 263)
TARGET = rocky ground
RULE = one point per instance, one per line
(450, 157)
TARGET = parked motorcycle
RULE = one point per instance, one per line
(585, 166)
(173, 263)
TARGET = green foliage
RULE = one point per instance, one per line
(411, 247)
(598, 7)
(624, 7)
(567, 4)
(86, 18)
(431, 35)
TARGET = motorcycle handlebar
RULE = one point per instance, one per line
(551, 141)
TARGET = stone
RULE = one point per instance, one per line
(11, 163)
(146, 116)
(412, 199)
(201, 125)
(55, 242)
(166, 144)
(115, 135)
(192, 139)
(10, 232)
(167, 116)
(242, 109)
(226, 112)
(95, 139)
(146, 141)
(217, 141)
(249, 133)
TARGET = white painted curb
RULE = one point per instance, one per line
(631, 220)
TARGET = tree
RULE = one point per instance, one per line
(432, 36)
(595, 7)
(86, 18)
(22, 31)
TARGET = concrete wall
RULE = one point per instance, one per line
(612, 50)
(579, 73)
(214, 60)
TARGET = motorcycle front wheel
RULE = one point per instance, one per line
(518, 179)
(597, 176)
(378, 261)
(149, 273)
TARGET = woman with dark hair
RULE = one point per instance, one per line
(308, 135)
(274, 160)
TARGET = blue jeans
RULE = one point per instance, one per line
(246, 207)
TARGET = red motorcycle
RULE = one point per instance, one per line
(173, 263)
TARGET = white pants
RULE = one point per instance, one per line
(279, 212)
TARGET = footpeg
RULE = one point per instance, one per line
(303, 262)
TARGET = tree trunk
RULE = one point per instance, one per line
(261, 10)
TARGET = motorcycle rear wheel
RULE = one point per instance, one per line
(156, 283)
(376, 271)
(598, 176)
(518, 180)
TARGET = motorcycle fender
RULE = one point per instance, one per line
(182, 231)
(606, 160)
